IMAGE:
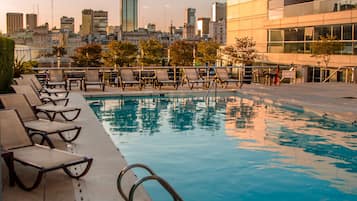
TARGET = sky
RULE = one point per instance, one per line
(159, 12)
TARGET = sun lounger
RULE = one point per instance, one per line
(162, 78)
(41, 89)
(127, 78)
(44, 159)
(222, 77)
(50, 111)
(92, 78)
(68, 132)
(192, 77)
(44, 98)
(56, 78)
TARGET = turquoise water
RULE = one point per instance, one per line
(230, 148)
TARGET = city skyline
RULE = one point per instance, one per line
(159, 12)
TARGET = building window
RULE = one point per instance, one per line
(309, 33)
(336, 32)
(347, 32)
(322, 31)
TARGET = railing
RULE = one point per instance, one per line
(151, 177)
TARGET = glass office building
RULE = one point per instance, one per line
(285, 29)
(129, 15)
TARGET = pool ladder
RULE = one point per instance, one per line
(151, 177)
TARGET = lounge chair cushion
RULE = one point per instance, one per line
(49, 126)
(55, 108)
(44, 157)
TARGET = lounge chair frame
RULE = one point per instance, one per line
(222, 78)
(162, 78)
(33, 131)
(50, 111)
(56, 78)
(192, 78)
(92, 78)
(45, 99)
(127, 78)
(41, 89)
(41, 170)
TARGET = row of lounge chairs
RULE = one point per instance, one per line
(21, 124)
(161, 78)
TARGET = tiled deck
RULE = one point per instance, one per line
(100, 183)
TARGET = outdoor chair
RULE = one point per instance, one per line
(68, 132)
(222, 78)
(127, 78)
(56, 78)
(55, 100)
(162, 78)
(41, 89)
(50, 111)
(15, 139)
(192, 77)
(93, 78)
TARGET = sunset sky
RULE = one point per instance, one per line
(160, 12)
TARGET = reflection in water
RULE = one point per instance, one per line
(321, 147)
(326, 146)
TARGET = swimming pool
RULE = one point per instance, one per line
(230, 148)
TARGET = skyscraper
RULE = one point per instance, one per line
(189, 31)
(31, 21)
(87, 22)
(14, 22)
(129, 15)
(100, 22)
(203, 26)
(190, 16)
(67, 23)
(219, 11)
(218, 24)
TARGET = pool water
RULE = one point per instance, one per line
(230, 148)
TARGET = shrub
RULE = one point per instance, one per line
(6, 63)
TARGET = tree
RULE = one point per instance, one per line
(181, 53)
(89, 55)
(242, 51)
(207, 52)
(324, 48)
(121, 53)
(152, 52)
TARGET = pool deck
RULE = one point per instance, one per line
(331, 99)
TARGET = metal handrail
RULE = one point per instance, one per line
(161, 181)
(152, 176)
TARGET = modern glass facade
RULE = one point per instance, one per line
(292, 8)
(299, 39)
(129, 15)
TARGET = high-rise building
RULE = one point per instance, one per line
(67, 24)
(87, 22)
(219, 11)
(285, 29)
(190, 16)
(14, 22)
(100, 22)
(203, 27)
(218, 24)
(31, 21)
(189, 31)
(129, 15)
